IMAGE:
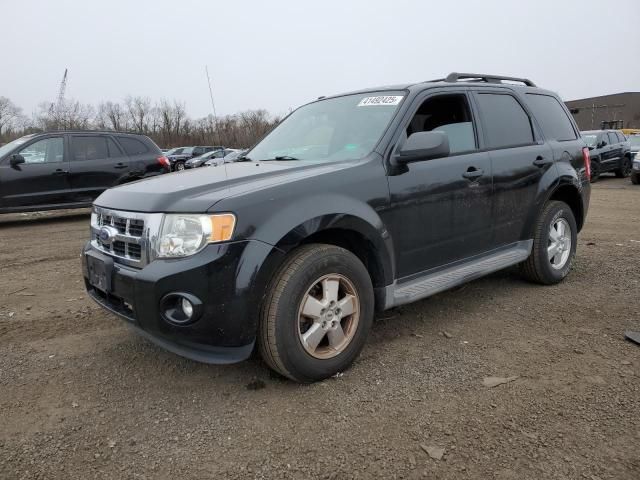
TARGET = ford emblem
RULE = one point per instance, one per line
(107, 235)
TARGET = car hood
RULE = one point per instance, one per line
(199, 190)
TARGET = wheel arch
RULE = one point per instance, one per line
(564, 190)
(352, 233)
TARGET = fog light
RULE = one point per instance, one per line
(180, 308)
(187, 308)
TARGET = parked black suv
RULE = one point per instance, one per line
(356, 202)
(69, 169)
(610, 151)
(634, 141)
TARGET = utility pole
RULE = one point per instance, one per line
(56, 108)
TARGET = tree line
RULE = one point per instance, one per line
(166, 122)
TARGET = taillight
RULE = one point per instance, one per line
(164, 161)
(587, 162)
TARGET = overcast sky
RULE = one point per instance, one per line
(280, 54)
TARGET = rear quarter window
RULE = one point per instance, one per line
(133, 146)
(551, 116)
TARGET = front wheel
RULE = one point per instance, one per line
(554, 245)
(317, 313)
(179, 166)
(625, 168)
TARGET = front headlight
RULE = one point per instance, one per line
(185, 234)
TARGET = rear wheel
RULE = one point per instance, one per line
(554, 245)
(625, 168)
(595, 170)
(317, 313)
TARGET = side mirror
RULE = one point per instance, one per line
(16, 159)
(424, 146)
(603, 144)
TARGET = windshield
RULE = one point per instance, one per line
(341, 128)
(592, 140)
(11, 145)
(634, 140)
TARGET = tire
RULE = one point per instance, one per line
(179, 166)
(625, 168)
(635, 178)
(595, 170)
(299, 286)
(539, 267)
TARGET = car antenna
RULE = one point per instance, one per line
(216, 139)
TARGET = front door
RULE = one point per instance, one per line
(41, 181)
(440, 209)
(97, 163)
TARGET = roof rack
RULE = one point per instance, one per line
(480, 77)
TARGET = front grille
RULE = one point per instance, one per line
(130, 245)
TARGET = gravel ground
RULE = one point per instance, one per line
(83, 397)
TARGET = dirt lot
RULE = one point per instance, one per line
(83, 397)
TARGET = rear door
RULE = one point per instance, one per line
(519, 159)
(41, 181)
(615, 150)
(97, 163)
(143, 155)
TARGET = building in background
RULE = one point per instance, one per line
(620, 110)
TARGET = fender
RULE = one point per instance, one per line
(330, 211)
(561, 175)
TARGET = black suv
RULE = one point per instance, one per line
(610, 151)
(69, 169)
(353, 203)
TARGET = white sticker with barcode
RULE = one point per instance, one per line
(380, 100)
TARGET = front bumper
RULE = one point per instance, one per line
(224, 277)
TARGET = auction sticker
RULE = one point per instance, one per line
(381, 100)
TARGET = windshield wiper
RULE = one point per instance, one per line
(282, 157)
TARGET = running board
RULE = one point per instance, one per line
(432, 283)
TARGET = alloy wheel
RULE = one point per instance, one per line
(559, 243)
(328, 316)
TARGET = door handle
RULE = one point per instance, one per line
(472, 173)
(540, 161)
(120, 165)
(60, 171)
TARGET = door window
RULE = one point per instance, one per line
(89, 148)
(621, 137)
(612, 138)
(449, 114)
(47, 150)
(114, 150)
(505, 122)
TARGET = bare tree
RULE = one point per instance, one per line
(139, 109)
(166, 122)
(9, 114)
